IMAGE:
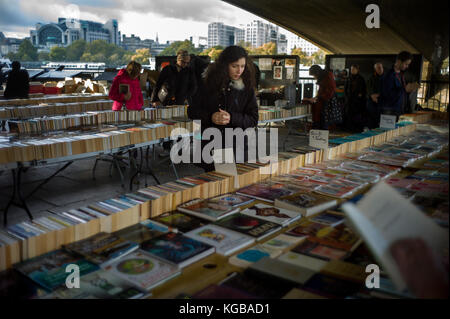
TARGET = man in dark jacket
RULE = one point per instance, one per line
(394, 90)
(18, 83)
(355, 97)
(180, 81)
(373, 92)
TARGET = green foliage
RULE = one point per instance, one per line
(26, 52)
(43, 56)
(75, 50)
(173, 48)
(58, 54)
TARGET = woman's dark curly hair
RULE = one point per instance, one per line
(217, 77)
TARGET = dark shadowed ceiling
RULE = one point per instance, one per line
(339, 26)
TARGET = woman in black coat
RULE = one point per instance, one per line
(226, 97)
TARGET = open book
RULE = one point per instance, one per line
(382, 217)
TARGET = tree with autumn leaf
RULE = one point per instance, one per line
(142, 56)
(213, 52)
(304, 58)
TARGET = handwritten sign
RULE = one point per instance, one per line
(318, 139)
(387, 121)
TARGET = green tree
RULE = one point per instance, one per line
(43, 56)
(142, 56)
(318, 57)
(213, 52)
(75, 50)
(98, 46)
(86, 57)
(27, 52)
(176, 46)
(57, 54)
(304, 59)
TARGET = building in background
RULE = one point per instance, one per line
(282, 44)
(257, 33)
(9, 45)
(223, 35)
(66, 31)
(133, 43)
(199, 42)
(294, 41)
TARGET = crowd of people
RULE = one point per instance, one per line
(363, 101)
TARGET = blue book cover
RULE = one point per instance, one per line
(177, 248)
(49, 270)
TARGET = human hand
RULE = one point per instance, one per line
(156, 104)
(374, 97)
(127, 96)
(423, 273)
(221, 118)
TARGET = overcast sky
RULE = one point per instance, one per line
(171, 19)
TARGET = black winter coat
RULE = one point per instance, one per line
(181, 85)
(17, 85)
(241, 104)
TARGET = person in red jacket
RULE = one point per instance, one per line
(133, 99)
(327, 88)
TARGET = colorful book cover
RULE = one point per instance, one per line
(100, 284)
(224, 240)
(208, 210)
(273, 214)
(102, 248)
(233, 200)
(317, 250)
(306, 203)
(49, 270)
(143, 270)
(177, 248)
(179, 221)
(268, 191)
(255, 227)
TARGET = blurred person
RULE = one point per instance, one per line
(355, 100)
(227, 98)
(373, 92)
(179, 79)
(394, 90)
(18, 83)
(128, 78)
(327, 89)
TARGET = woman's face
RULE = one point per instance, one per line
(235, 69)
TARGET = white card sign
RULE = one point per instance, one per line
(318, 139)
(387, 121)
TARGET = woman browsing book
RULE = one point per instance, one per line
(226, 98)
(126, 89)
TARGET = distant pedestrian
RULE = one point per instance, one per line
(126, 88)
(355, 100)
(373, 92)
(18, 83)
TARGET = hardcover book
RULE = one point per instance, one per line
(254, 227)
(143, 270)
(207, 210)
(49, 270)
(277, 215)
(306, 203)
(177, 248)
(224, 240)
(102, 248)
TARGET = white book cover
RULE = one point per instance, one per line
(224, 240)
(143, 270)
(272, 214)
(383, 216)
(303, 261)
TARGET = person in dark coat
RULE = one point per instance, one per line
(180, 80)
(227, 98)
(198, 66)
(394, 90)
(18, 83)
(355, 98)
(327, 89)
(373, 92)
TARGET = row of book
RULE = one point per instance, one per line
(69, 144)
(270, 113)
(419, 117)
(63, 122)
(62, 98)
(167, 197)
(321, 244)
